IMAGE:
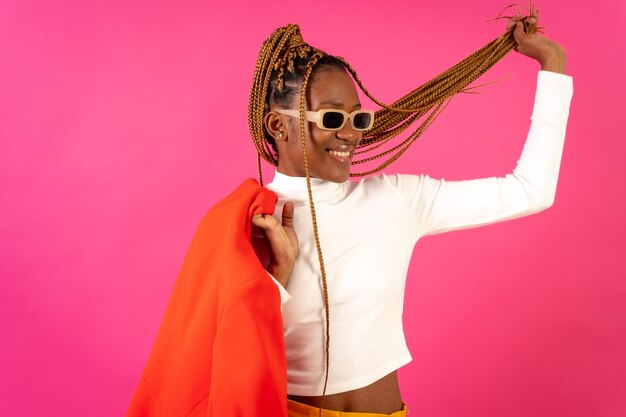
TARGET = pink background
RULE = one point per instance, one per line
(121, 123)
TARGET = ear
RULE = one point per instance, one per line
(275, 125)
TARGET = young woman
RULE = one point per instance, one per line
(343, 333)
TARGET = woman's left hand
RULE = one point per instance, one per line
(550, 54)
(279, 249)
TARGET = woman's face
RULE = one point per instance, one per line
(330, 88)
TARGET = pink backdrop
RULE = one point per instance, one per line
(121, 123)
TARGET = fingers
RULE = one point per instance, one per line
(513, 20)
(526, 20)
(519, 33)
(281, 240)
(266, 222)
(288, 214)
(276, 233)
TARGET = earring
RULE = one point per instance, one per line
(280, 135)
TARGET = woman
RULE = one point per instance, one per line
(344, 346)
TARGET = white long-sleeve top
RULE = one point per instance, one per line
(367, 231)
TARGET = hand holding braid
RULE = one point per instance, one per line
(549, 54)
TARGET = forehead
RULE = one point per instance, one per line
(333, 85)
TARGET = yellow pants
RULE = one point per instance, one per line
(296, 409)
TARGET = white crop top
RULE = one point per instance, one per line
(367, 231)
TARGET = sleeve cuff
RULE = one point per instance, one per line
(552, 98)
(284, 295)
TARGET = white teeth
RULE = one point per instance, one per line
(340, 154)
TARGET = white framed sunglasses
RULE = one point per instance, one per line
(334, 119)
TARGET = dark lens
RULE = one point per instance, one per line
(362, 120)
(332, 120)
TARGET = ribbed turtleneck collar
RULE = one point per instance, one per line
(295, 188)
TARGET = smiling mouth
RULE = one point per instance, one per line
(344, 154)
(341, 156)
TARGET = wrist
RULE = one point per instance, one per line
(555, 62)
(280, 274)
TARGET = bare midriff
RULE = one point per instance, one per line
(382, 396)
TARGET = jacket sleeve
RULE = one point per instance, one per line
(249, 366)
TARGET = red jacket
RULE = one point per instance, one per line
(220, 349)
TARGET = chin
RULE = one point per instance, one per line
(337, 176)
(331, 170)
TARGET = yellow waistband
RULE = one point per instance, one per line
(296, 409)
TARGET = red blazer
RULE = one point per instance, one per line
(220, 349)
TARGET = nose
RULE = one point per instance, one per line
(348, 133)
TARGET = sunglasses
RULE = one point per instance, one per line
(333, 119)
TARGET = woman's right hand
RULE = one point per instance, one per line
(280, 240)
